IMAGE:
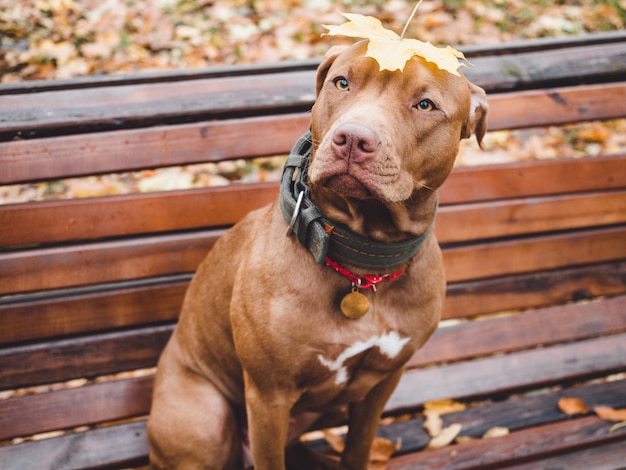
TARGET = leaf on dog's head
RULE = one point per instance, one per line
(390, 50)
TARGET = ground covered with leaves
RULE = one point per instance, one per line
(47, 39)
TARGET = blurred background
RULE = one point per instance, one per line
(49, 39)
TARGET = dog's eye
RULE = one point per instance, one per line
(342, 84)
(425, 105)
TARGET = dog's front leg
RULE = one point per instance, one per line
(363, 420)
(268, 424)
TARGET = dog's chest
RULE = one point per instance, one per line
(346, 372)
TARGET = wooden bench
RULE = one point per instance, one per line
(90, 288)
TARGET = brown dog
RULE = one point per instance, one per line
(268, 339)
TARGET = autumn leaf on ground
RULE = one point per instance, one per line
(496, 431)
(382, 450)
(610, 414)
(433, 424)
(445, 406)
(390, 50)
(445, 437)
(572, 406)
(336, 442)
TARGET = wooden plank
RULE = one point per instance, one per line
(90, 356)
(80, 449)
(521, 179)
(544, 68)
(531, 444)
(121, 446)
(99, 218)
(82, 357)
(469, 222)
(157, 103)
(540, 253)
(49, 268)
(65, 409)
(537, 108)
(560, 324)
(520, 370)
(140, 104)
(63, 313)
(136, 149)
(117, 400)
(537, 289)
(514, 414)
(48, 158)
(136, 258)
(604, 457)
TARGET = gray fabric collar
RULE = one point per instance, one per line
(324, 238)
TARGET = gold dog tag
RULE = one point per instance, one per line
(354, 305)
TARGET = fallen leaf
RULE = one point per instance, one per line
(335, 442)
(433, 424)
(382, 450)
(496, 431)
(445, 437)
(572, 406)
(610, 414)
(444, 406)
(390, 50)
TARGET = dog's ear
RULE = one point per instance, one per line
(478, 114)
(327, 62)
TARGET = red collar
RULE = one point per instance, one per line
(363, 282)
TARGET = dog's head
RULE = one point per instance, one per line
(383, 136)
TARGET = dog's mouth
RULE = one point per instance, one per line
(347, 185)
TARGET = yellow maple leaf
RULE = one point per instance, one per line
(390, 50)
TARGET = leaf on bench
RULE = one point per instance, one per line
(573, 406)
(610, 414)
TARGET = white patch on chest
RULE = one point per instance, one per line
(390, 344)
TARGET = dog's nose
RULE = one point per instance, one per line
(355, 142)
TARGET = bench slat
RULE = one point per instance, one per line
(537, 108)
(527, 216)
(65, 409)
(40, 159)
(76, 448)
(120, 446)
(205, 98)
(75, 313)
(131, 397)
(101, 354)
(143, 105)
(607, 456)
(53, 315)
(86, 356)
(537, 289)
(546, 327)
(514, 180)
(518, 256)
(515, 413)
(50, 268)
(500, 374)
(532, 444)
(98, 218)
(137, 149)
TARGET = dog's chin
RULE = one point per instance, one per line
(348, 186)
